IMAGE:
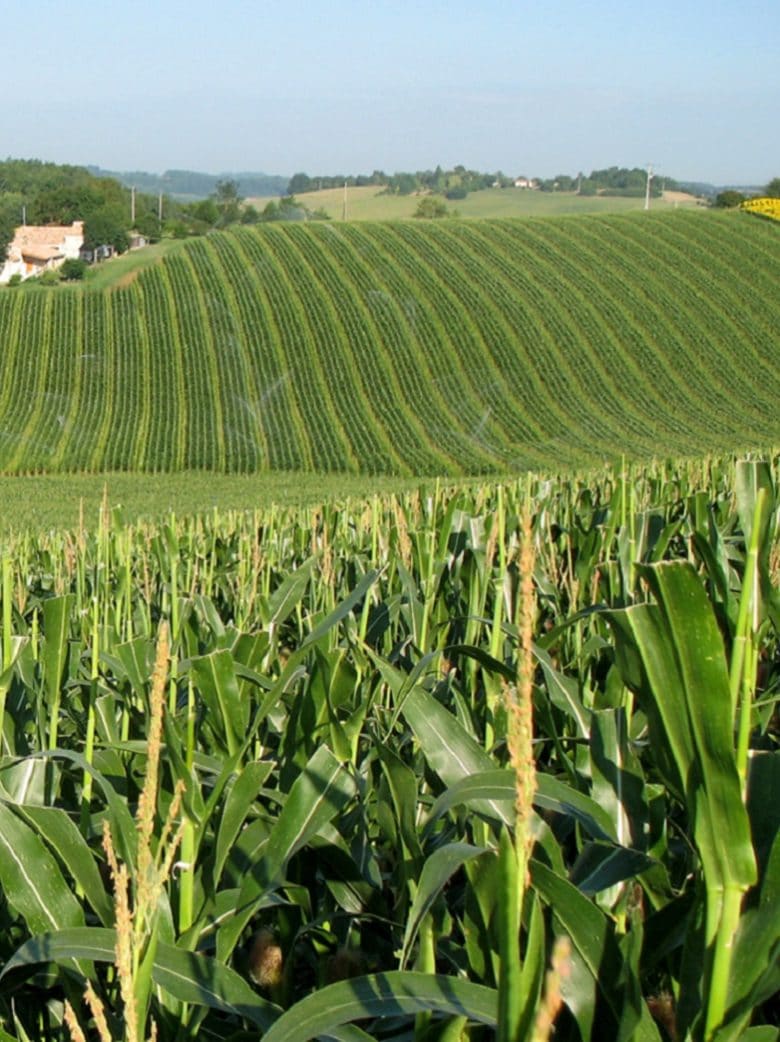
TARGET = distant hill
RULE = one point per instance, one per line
(704, 188)
(194, 185)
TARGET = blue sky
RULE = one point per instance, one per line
(537, 88)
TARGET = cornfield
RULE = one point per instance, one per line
(471, 347)
(497, 762)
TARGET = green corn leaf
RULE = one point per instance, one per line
(533, 966)
(288, 594)
(189, 977)
(62, 836)
(403, 785)
(344, 1033)
(601, 865)
(437, 870)
(31, 879)
(202, 980)
(597, 952)
(498, 784)
(449, 749)
(343, 609)
(564, 693)
(216, 681)
(56, 621)
(755, 974)
(750, 477)
(321, 790)
(93, 943)
(137, 659)
(672, 654)
(238, 802)
(122, 824)
(383, 995)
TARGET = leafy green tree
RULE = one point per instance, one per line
(65, 204)
(73, 269)
(206, 211)
(773, 188)
(287, 209)
(430, 208)
(729, 199)
(148, 224)
(228, 202)
(300, 183)
(106, 226)
(250, 214)
(9, 218)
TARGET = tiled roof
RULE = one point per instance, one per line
(32, 236)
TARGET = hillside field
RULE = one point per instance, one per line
(404, 349)
(369, 203)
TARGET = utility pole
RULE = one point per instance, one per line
(24, 215)
(132, 207)
(647, 186)
(159, 208)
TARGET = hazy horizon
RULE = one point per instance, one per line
(342, 88)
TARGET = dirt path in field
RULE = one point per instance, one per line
(678, 197)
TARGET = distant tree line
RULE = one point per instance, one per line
(48, 193)
(731, 197)
(459, 181)
(194, 185)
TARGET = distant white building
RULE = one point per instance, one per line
(36, 248)
(525, 182)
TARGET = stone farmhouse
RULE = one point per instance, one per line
(36, 248)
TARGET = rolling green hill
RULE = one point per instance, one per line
(407, 348)
(372, 203)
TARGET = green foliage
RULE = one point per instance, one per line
(73, 269)
(334, 714)
(429, 207)
(227, 202)
(10, 215)
(615, 181)
(773, 188)
(729, 199)
(106, 226)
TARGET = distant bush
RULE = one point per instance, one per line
(50, 277)
(729, 199)
(430, 208)
(15, 279)
(73, 269)
(456, 192)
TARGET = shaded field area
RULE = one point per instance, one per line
(405, 349)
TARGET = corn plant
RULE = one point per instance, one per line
(470, 763)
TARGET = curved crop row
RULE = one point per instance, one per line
(407, 348)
